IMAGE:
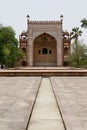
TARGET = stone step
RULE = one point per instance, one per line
(44, 71)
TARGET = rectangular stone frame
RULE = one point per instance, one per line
(54, 28)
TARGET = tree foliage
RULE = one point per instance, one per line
(84, 23)
(9, 51)
(75, 35)
(81, 55)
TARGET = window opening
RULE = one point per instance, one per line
(50, 52)
(39, 52)
(45, 51)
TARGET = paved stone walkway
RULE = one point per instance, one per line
(71, 94)
(17, 96)
(46, 115)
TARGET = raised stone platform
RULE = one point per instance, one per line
(44, 71)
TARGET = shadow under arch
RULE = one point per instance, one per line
(45, 50)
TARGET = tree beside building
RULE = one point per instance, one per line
(9, 51)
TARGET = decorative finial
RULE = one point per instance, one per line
(61, 17)
(28, 17)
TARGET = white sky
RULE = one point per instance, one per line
(13, 13)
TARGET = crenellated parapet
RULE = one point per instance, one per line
(45, 22)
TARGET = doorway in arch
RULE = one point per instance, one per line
(24, 63)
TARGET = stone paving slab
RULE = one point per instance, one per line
(17, 97)
(71, 96)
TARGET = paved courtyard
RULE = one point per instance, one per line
(17, 97)
(71, 94)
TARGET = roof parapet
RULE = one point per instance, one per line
(45, 22)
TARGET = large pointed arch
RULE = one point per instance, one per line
(45, 50)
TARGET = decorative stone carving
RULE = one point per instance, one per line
(52, 33)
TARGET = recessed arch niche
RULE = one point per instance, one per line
(45, 50)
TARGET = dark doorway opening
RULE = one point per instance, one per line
(23, 63)
(45, 51)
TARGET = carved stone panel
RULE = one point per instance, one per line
(52, 33)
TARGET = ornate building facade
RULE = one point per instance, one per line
(45, 44)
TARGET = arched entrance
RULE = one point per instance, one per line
(23, 63)
(45, 50)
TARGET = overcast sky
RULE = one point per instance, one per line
(13, 13)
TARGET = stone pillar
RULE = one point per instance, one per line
(30, 45)
(60, 48)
